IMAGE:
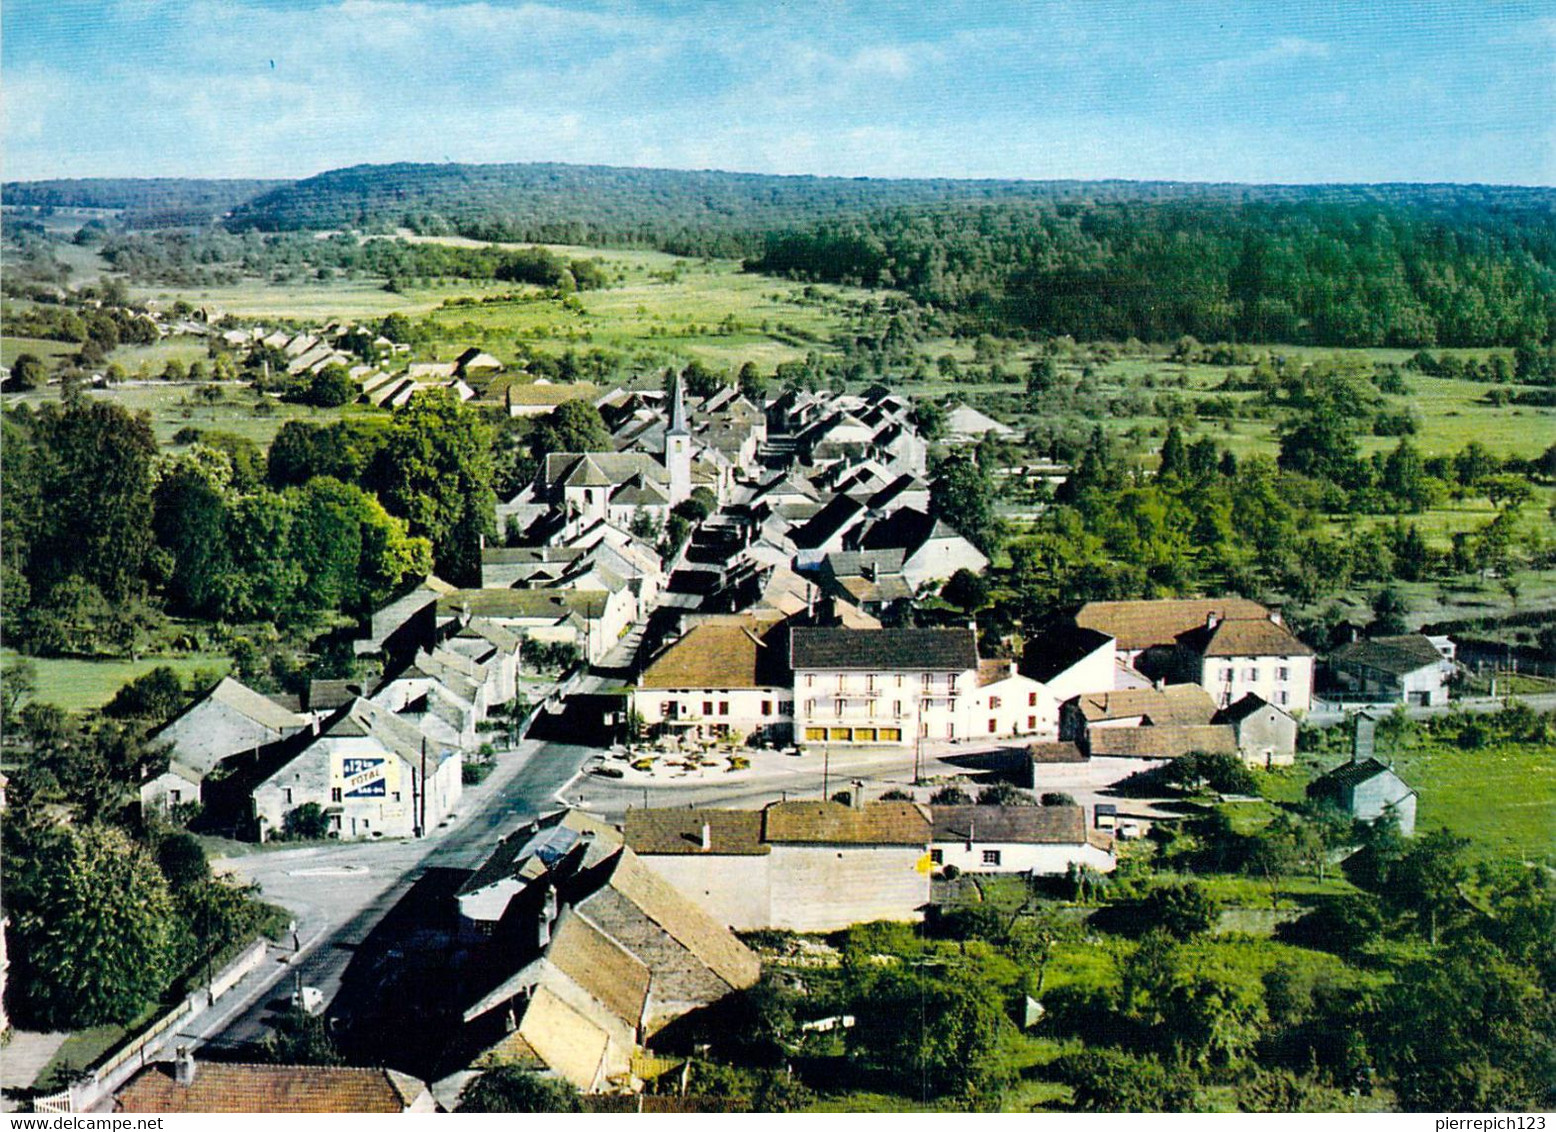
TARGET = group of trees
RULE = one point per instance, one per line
(212, 255)
(100, 527)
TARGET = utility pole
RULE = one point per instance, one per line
(826, 766)
(421, 801)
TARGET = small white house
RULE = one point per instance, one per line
(1037, 840)
(1009, 704)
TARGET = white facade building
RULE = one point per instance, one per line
(886, 687)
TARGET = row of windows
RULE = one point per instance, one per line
(873, 683)
(1282, 674)
(995, 701)
(898, 709)
(673, 708)
(990, 856)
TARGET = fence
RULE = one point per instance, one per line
(56, 1102)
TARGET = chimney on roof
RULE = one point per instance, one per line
(1275, 617)
(868, 570)
(707, 836)
(1212, 619)
(548, 912)
(1159, 683)
(856, 795)
(183, 1067)
(1363, 737)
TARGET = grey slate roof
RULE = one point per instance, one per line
(939, 650)
(1352, 774)
(1250, 703)
(1398, 656)
(1015, 825)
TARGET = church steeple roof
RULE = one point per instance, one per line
(677, 411)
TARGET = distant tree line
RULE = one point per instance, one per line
(213, 255)
(147, 202)
(1319, 273)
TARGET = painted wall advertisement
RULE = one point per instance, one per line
(364, 777)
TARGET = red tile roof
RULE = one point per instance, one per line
(225, 1087)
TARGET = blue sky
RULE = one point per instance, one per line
(1297, 91)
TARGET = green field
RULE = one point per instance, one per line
(665, 310)
(81, 685)
(45, 348)
(1501, 796)
(173, 406)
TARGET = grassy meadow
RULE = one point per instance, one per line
(83, 685)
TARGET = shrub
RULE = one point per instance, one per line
(1003, 794)
(508, 1088)
(307, 822)
(1342, 924)
(1109, 1080)
(1181, 910)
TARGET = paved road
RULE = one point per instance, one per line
(772, 777)
(1540, 701)
(339, 893)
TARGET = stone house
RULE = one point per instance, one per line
(372, 773)
(727, 675)
(1231, 657)
(1158, 706)
(1007, 703)
(886, 687)
(1146, 632)
(603, 953)
(228, 720)
(591, 620)
(932, 550)
(1266, 735)
(1070, 662)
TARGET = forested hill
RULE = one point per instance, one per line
(696, 212)
(1445, 267)
(1341, 265)
(707, 212)
(147, 202)
(1333, 264)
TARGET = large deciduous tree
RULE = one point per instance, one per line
(962, 493)
(937, 1036)
(573, 426)
(92, 463)
(435, 471)
(93, 927)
